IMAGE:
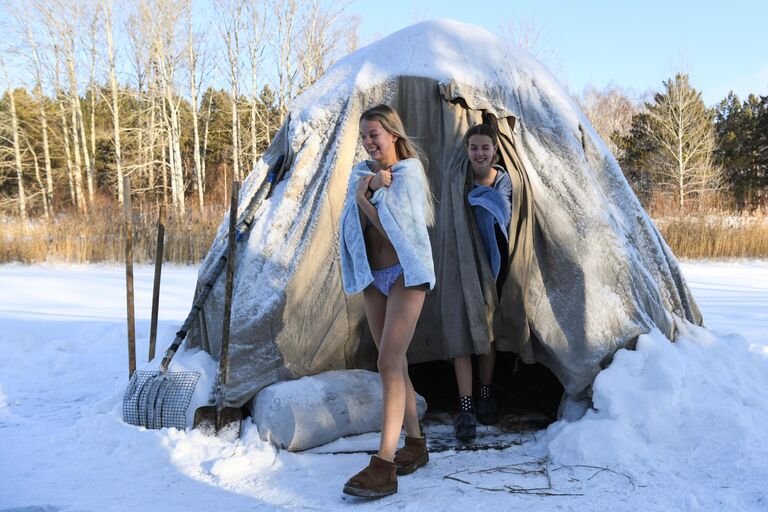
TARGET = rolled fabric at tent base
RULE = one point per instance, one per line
(302, 414)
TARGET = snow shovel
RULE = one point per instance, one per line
(216, 418)
(159, 399)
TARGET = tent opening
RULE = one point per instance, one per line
(531, 392)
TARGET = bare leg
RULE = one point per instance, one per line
(402, 311)
(375, 310)
(462, 365)
(412, 427)
(486, 363)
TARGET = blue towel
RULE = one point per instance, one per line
(403, 216)
(492, 207)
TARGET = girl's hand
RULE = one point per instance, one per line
(361, 192)
(383, 178)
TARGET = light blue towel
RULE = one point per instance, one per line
(402, 212)
(492, 207)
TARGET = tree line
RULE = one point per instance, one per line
(173, 95)
(179, 97)
(673, 145)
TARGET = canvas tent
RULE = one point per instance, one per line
(591, 273)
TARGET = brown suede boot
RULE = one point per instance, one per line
(375, 481)
(412, 456)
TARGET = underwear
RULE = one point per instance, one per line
(385, 278)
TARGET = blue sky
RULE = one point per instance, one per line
(636, 45)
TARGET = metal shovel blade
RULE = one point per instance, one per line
(225, 423)
(159, 400)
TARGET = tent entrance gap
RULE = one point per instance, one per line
(528, 397)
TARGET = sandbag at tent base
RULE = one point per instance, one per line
(305, 413)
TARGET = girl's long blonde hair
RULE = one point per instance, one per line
(404, 147)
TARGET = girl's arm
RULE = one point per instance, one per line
(362, 196)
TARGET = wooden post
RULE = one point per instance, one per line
(129, 277)
(224, 359)
(156, 285)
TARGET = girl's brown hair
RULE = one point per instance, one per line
(391, 122)
(488, 131)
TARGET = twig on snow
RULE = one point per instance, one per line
(600, 470)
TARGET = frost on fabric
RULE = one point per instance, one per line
(512, 81)
(606, 275)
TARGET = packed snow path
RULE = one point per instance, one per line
(678, 427)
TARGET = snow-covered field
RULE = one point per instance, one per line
(678, 427)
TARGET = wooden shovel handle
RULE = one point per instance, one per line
(156, 284)
(129, 276)
(231, 242)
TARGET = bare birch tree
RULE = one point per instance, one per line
(285, 14)
(323, 33)
(307, 39)
(232, 14)
(56, 16)
(193, 55)
(75, 191)
(681, 126)
(16, 147)
(106, 7)
(75, 56)
(40, 184)
(93, 23)
(40, 98)
(610, 111)
(61, 18)
(205, 134)
(257, 36)
(162, 16)
(66, 17)
(145, 96)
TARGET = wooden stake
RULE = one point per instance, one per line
(224, 358)
(156, 285)
(129, 277)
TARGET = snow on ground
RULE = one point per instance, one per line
(677, 427)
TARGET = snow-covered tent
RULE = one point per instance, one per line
(596, 272)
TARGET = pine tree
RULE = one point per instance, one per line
(739, 139)
(637, 150)
(760, 171)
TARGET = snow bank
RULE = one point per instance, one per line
(677, 412)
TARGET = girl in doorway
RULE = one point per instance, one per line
(490, 200)
(386, 254)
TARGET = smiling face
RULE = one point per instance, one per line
(481, 151)
(378, 142)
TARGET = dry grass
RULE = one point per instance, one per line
(704, 230)
(710, 227)
(101, 237)
(716, 236)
